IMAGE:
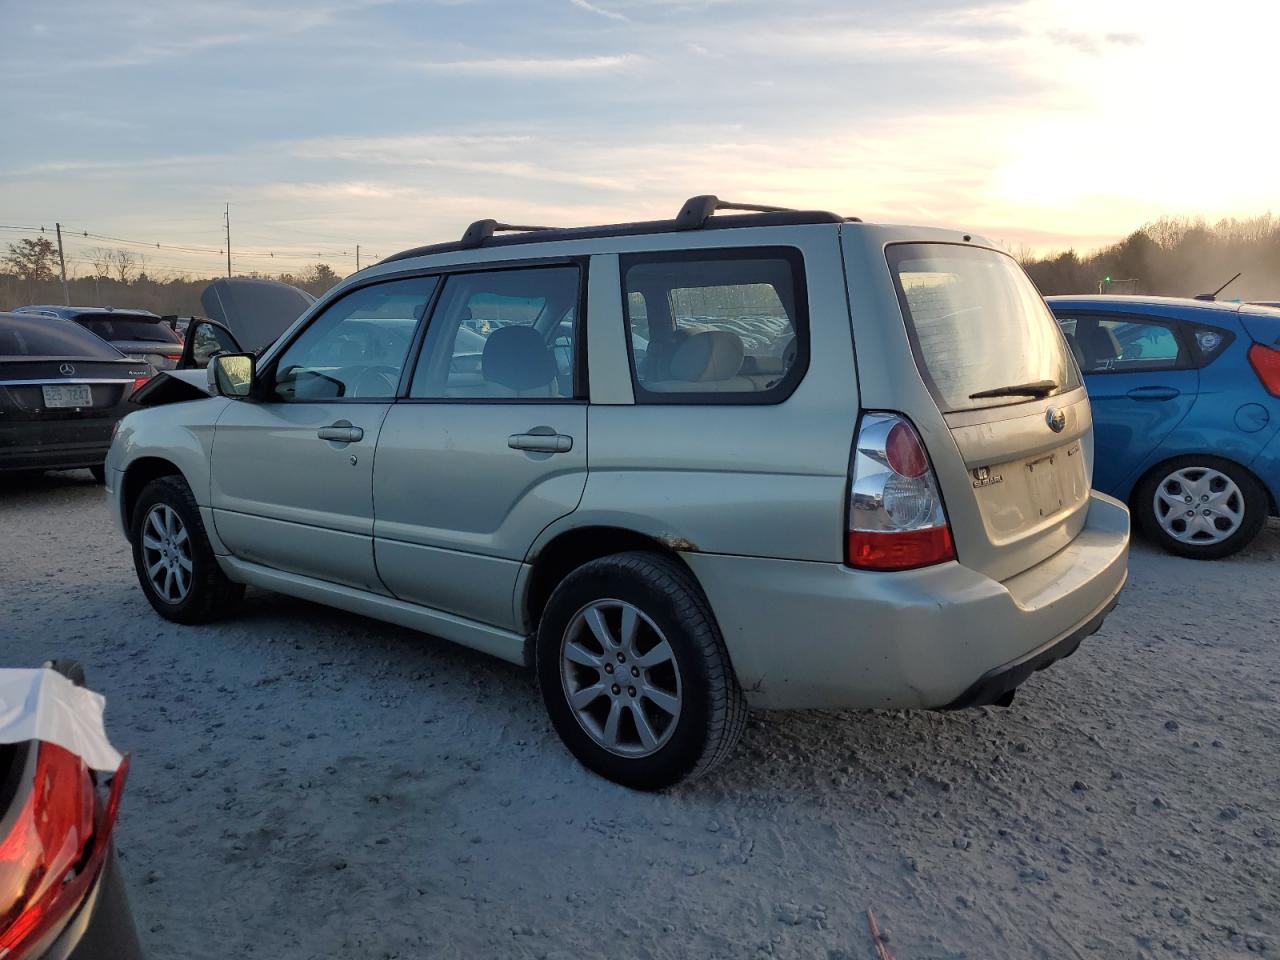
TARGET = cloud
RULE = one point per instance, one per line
(1092, 43)
(534, 66)
(599, 11)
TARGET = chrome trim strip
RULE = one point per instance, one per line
(70, 381)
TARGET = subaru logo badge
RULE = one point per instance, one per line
(1057, 419)
(67, 370)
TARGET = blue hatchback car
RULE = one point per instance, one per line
(1186, 410)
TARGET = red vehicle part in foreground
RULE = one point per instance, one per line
(53, 850)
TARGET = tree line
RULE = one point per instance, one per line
(30, 273)
(1173, 257)
(1177, 257)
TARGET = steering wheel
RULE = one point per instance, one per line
(379, 380)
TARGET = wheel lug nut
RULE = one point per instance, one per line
(608, 668)
(1191, 513)
(616, 689)
(1188, 499)
(635, 671)
(631, 691)
(622, 658)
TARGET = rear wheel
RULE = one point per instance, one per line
(1201, 507)
(172, 556)
(634, 673)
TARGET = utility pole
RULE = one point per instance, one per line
(357, 258)
(227, 217)
(62, 262)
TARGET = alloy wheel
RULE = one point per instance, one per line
(620, 678)
(166, 553)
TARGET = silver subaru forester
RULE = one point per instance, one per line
(771, 458)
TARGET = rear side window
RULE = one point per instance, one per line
(981, 333)
(1124, 344)
(726, 326)
(30, 336)
(128, 328)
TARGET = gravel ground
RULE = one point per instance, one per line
(310, 784)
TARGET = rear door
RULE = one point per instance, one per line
(1141, 382)
(490, 446)
(986, 376)
(292, 473)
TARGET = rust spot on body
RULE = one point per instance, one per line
(679, 544)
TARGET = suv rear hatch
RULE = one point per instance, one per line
(961, 342)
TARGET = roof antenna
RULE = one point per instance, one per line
(1214, 295)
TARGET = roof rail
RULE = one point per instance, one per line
(698, 210)
(482, 230)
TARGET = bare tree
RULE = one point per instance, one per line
(101, 258)
(126, 264)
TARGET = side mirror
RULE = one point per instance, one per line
(204, 340)
(232, 375)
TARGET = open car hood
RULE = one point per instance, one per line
(255, 311)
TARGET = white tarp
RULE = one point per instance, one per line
(44, 705)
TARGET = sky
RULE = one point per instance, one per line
(1042, 124)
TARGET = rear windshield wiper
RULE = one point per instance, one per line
(1037, 388)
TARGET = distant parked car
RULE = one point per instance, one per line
(62, 896)
(62, 389)
(139, 334)
(1186, 409)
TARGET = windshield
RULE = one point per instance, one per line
(114, 327)
(32, 336)
(981, 332)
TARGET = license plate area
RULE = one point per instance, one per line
(66, 396)
(1043, 482)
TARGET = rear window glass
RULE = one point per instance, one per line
(716, 326)
(29, 336)
(978, 326)
(129, 328)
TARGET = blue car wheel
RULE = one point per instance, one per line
(1200, 507)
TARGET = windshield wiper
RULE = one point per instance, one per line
(1037, 388)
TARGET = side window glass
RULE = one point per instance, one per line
(716, 326)
(357, 347)
(1123, 345)
(502, 334)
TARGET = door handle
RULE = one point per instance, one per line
(1153, 393)
(341, 432)
(538, 442)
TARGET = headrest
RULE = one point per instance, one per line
(709, 355)
(1103, 345)
(516, 357)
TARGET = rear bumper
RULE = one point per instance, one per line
(67, 456)
(823, 635)
(103, 929)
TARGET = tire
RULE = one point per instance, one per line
(209, 593)
(1237, 515)
(692, 707)
(73, 670)
(99, 473)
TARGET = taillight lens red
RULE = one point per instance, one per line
(53, 850)
(138, 384)
(896, 517)
(1266, 364)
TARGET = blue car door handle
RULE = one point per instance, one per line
(1153, 393)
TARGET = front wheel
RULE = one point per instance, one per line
(634, 672)
(1201, 507)
(172, 556)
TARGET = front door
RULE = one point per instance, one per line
(1141, 385)
(489, 447)
(292, 475)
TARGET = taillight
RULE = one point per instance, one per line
(1266, 364)
(53, 849)
(896, 517)
(138, 384)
